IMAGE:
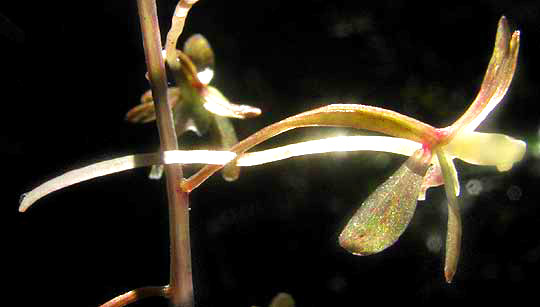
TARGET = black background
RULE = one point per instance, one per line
(71, 71)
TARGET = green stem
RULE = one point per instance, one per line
(180, 284)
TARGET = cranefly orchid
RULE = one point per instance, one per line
(383, 217)
(196, 105)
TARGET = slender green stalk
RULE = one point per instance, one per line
(180, 284)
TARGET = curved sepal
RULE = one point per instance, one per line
(496, 81)
(453, 232)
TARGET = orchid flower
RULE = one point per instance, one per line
(383, 217)
(196, 105)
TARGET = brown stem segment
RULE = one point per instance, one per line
(180, 284)
(135, 295)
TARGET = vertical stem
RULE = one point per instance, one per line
(181, 284)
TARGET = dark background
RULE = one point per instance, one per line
(71, 71)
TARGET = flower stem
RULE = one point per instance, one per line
(177, 26)
(180, 284)
(135, 295)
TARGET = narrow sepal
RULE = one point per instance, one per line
(496, 81)
(454, 229)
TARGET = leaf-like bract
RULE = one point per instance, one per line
(383, 217)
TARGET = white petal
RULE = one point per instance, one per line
(334, 144)
(206, 75)
(487, 149)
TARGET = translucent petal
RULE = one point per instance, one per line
(487, 149)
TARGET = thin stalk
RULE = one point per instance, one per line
(181, 283)
(177, 26)
(135, 295)
(454, 229)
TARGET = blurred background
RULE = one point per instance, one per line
(72, 71)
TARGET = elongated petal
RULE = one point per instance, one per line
(218, 104)
(487, 149)
(334, 144)
(383, 217)
(122, 164)
(453, 232)
(496, 80)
